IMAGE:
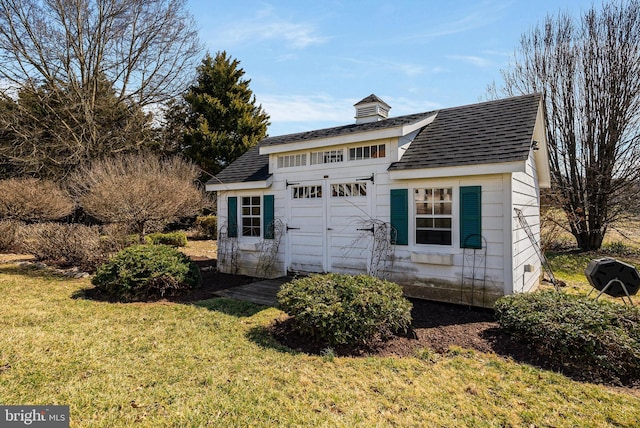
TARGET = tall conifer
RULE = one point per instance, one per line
(223, 120)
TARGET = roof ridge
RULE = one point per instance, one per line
(354, 127)
(496, 101)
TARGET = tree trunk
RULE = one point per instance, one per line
(589, 240)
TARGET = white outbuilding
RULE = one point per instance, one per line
(427, 200)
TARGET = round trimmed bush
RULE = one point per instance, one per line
(345, 309)
(597, 338)
(141, 272)
(174, 239)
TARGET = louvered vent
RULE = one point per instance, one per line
(371, 109)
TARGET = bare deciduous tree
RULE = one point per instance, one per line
(589, 72)
(86, 64)
(141, 191)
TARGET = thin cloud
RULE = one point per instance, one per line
(482, 15)
(266, 26)
(471, 59)
(408, 69)
(297, 113)
(401, 106)
(305, 108)
(323, 108)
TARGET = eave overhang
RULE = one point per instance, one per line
(457, 171)
(244, 185)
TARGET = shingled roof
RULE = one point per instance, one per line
(373, 98)
(251, 166)
(489, 132)
(354, 128)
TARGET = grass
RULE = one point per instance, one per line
(211, 364)
(621, 242)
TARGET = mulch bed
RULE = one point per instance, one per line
(437, 326)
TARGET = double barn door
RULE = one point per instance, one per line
(326, 226)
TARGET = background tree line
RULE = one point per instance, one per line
(85, 79)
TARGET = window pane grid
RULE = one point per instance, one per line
(289, 161)
(433, 215)
(307, 192)
(367, 152)
(331, 156)
(343, 190)
(251, 216)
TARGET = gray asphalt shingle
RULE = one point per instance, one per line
(483, 133)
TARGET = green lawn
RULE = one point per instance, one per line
(210, 364)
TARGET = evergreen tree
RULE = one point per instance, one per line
(50, 129)
(223, 120)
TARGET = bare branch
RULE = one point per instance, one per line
(589, 72)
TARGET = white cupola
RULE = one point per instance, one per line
(371, 109)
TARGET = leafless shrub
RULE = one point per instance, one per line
(116, 237)
(9, 236)
(142, 191)
(227, 250)
(32, 200)
(269, 250)
(554, 232)
(64, 245)
(206, 227)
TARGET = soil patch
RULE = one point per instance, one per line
(438, 326)
(443, 328)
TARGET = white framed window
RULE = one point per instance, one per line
(330, 156)
(307, 192)
(251, 214)
(434, 218)
(345, 190)
(288, 161)
(367, 152)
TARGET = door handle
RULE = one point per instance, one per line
(292, 228)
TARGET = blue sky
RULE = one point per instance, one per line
(310, 61)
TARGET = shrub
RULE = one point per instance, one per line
(345, 309)
(173, 239)
(116, 237)
(591, 336)
(142, 191)
(9, 236)
(64, 245)
(141, 272)
(206, 226)
(33, 200)
(618, 248)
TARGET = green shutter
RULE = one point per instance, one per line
(232, 217)
(267, 216)
(470, 217)
(400, 215)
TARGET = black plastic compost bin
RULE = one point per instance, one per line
(600, 273)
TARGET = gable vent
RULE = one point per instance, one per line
(371, 109)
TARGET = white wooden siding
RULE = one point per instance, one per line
(526, 197)
(351, 252)
(432, 276)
